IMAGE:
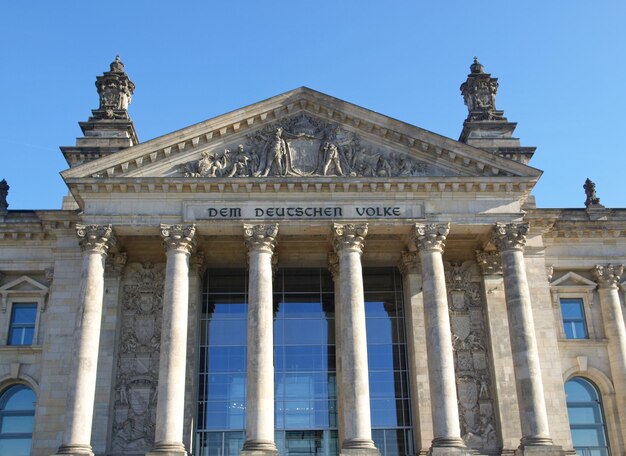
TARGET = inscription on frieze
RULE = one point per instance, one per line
(196, 210)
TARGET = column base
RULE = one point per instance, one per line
(259, 448)
(444, 446)
(74, 450)
(359, 447)
(168, 449)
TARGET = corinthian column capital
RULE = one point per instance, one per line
(431, 237)
(409, 263)
(608, 276)
(510, 236)
(260, 237)
(95, 238)
(349, 237)
(115, 264)
(490, 262)
(178, 237)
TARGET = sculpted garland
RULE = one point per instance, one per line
(303, 146)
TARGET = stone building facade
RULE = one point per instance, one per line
(305, 276)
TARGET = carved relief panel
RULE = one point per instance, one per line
(471, 357)
(303, 145)
(138, 358)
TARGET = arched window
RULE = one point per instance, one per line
(17, 416)
(586, 419)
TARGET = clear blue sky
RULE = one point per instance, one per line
(561, 67)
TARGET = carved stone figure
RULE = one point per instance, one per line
(590, 191)
(4, 192)
(301, 146)
(469, 341)
(115, 91)
(479, 93)
(138, 359)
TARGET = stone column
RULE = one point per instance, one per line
(333, 267)
(507, 411)
(179, 242)
(510, 240)
(608, 278)
(95, 241)
(430, 241)
(261, 242)
(348, 242)
(421, 411)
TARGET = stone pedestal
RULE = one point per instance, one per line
(510, 240)
(348, 242)
(168, 439)
(261, 241)
(430, 242)
(94, 241)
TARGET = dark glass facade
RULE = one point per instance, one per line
(304, 363)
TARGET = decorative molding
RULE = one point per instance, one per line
(510, 236)
(114, 264)
(197, 264)
(349, 236)
(23, 286)
(431, 237)
(410, 263)
(333, 265)
(95, 238)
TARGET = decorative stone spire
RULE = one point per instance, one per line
(109, 129)
(485, 126)
(115, 91)
(479, 93)
(590, 190)
(4, 191)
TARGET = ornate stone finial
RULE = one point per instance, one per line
(260, 237)
(590, 191)
(4, 192)
(479, 93)
(510, 236)
(115, 91)
(115, 264)
(96, 238)
(608, 276)
(349, 236)
(333, 265)
(490, 262)
(431, 236)
(409, 262)
(179, 237)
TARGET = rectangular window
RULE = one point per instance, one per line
(574, 324)
(22, 329)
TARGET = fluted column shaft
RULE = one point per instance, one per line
(261, 241)
(348, 242)
(179, 241)
(608, 278)
(510, 240)
(430, 242)
(94, 241)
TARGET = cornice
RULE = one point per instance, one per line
(457, 154)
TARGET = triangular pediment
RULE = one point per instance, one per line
(301, 134)
(23, 284)
(573, 280)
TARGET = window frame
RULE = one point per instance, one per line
(4, 390)
(601, 410)
(23, 290)
(12, 326)
(573, 286)
(569, 320)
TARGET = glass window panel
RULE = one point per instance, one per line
(226, 359)
(24, 313)
(15, 447)
(574, 324)
(228, 332)
(226, 280)
(572, 308)
(587, 437)
(585, 417)
(589, 414)
(304, 332)
(579, 391)
(17, 424)
(18, 397)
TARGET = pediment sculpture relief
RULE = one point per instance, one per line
(303, 146)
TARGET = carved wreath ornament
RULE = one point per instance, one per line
(303, 146)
